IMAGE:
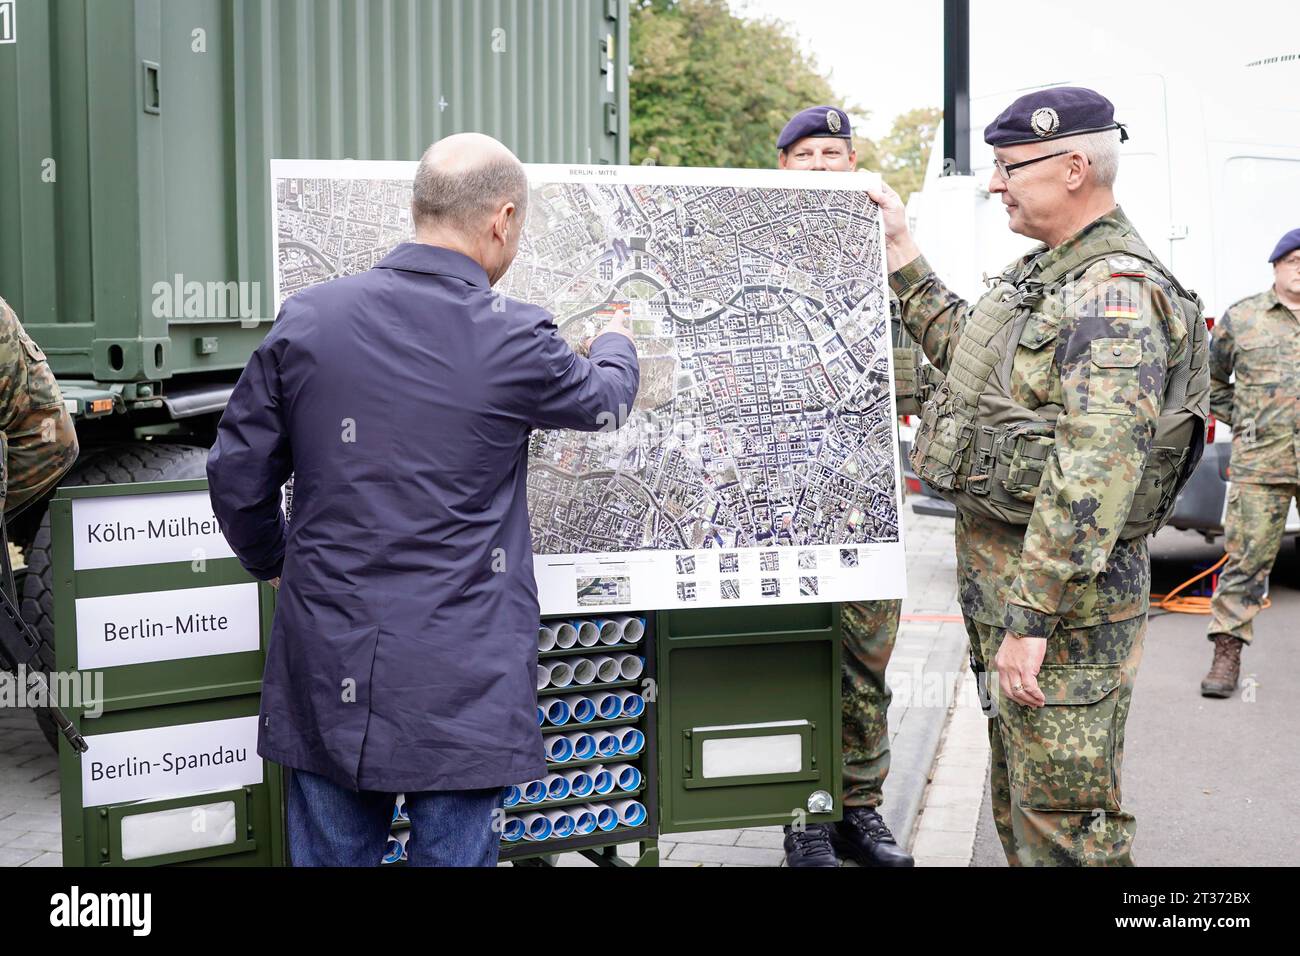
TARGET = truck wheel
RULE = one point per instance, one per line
(115, 465)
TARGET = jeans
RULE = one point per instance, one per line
(330, 825)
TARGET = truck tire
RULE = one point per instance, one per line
(115, 465)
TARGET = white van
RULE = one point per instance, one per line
(1210, 178)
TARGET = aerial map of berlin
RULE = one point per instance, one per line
(759, 464)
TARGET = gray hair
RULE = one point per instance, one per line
(1102, 150)
(464, 198)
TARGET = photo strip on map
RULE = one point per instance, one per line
(760, 463)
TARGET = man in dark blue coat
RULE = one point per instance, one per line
(404, 651)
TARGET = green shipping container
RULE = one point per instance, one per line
(135, 137)
(135, 146)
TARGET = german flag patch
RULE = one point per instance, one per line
(1118, 305)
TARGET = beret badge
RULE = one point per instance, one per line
(1045, 122)
(833, 121)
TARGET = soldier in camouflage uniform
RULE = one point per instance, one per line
(821, 138)
(1255, 371)
(1054, 389)
(38, 443)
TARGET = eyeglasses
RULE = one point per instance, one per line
(1004, 170)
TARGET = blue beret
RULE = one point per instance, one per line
(1052, 114)
(816, 121)
(1287, 244)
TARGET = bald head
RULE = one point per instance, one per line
(463, 182)
(470, 195)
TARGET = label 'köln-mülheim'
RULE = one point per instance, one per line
(161, 529)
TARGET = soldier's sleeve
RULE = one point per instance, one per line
(1221, 362)
(929, 311)
(38, 441)
(1113, 353)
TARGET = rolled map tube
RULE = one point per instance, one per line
(557, 786)
(558, 748)
(543, 676)
(631, 629)
(588, 633)
(545, 638)
(581, 707)
(562, 824)
(631, 742)
(607, 668)
(557, 711)
(631, 813)
(633, 703)
(580, 783)
(630, 666)
(602, 781)
(536, 826)
(534, 791)
(541, 714)
(608, 705)
(607, 744)
(561, 674)
(584, 745)
(626, 776)
(566, 635)
(584, 671)
(584, 821)
(611, 632)
(606, 816)
(513, 829)
(514, 793)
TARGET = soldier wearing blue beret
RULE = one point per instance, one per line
(1046, 400)
(1255, 389)
(821, 138)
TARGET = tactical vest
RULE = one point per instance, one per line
(986, 454)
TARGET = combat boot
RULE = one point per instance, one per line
(862, 836)
(1221, 681)
(810, 846)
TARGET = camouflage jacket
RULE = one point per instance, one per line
(1255, 387)
(38, 442)
(1068, 567)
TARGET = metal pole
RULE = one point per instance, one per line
(956, 87)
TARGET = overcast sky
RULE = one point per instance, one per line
(888, 56)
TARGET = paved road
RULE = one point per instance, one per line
(1212, 782)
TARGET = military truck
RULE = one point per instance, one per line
(135, 141)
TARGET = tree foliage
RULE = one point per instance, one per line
(709, 88)
(906, 150)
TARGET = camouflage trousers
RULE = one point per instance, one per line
(1252, 536)
(1055, 771)
(869, 630)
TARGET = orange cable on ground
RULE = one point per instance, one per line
(1191, 605)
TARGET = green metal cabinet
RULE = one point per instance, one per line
(749, 717)
(742, 720)
(171, 701)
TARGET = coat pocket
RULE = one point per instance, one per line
(1062, 755)
(1113, 376)
(1259, 361)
